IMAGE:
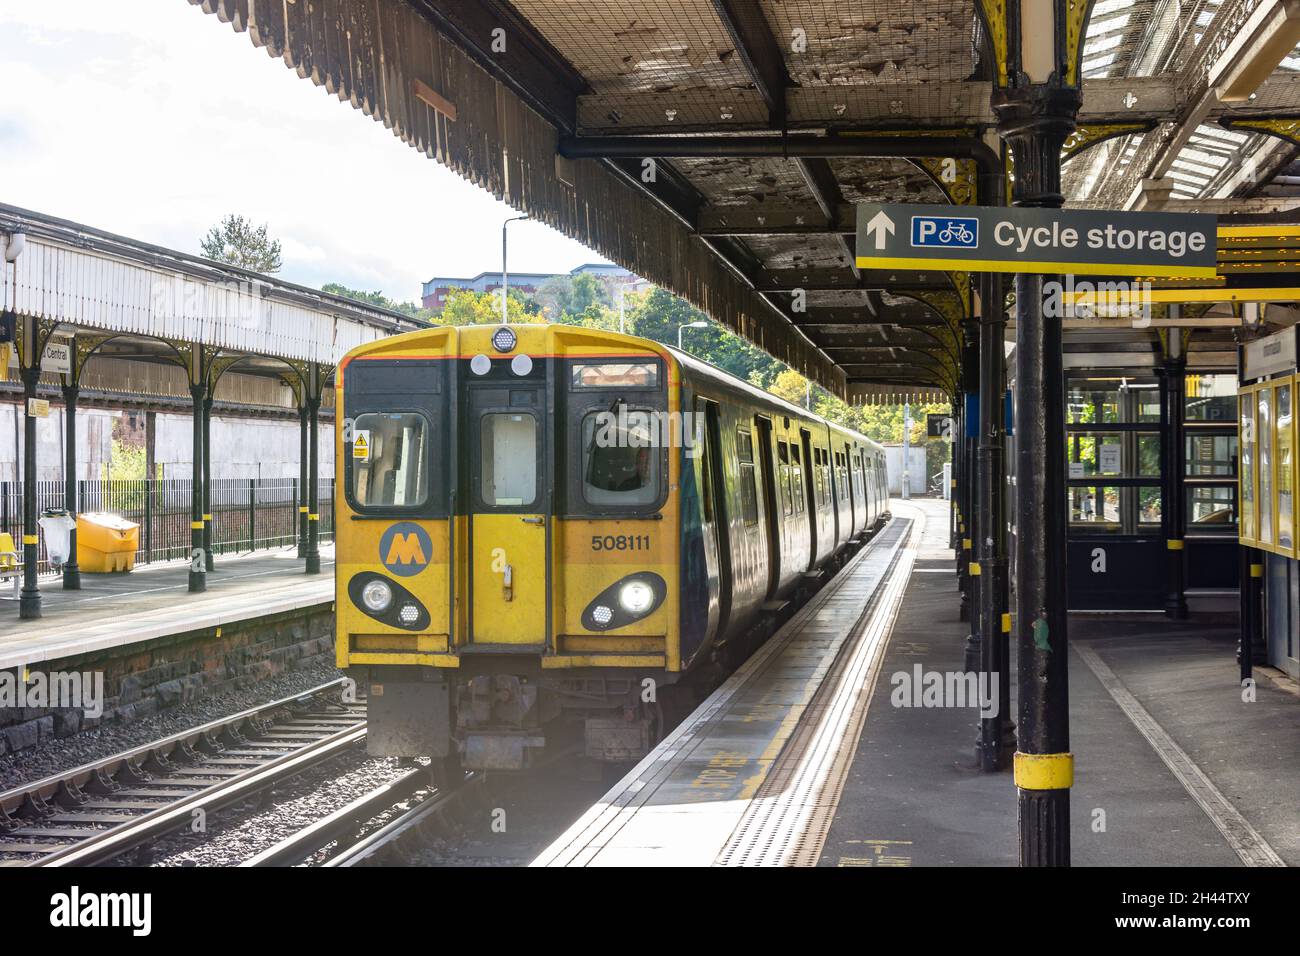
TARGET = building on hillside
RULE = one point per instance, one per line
(435, 291)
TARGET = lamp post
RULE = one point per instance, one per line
(688, 325)
(504, 277)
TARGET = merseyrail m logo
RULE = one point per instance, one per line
(405, 549)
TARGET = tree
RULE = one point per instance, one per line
(658, 314)
(238, 242)
(467, 307)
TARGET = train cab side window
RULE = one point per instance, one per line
(748, 488)
(621, 460)
(392, 470)
(783, 459)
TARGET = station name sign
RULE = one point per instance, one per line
(995, 239)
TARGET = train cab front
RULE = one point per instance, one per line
(507, 542)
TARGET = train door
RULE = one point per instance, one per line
(810, 492)
(509, 509)
(717, 530)
(771, 524)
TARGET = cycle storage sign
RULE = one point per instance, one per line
(1048, 241)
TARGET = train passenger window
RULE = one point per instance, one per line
(621, 460)
(748, 488)
(783, 460)
(509, 459)
(796, 479)
(392, 471)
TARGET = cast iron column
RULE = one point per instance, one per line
(970, 367)
(303, 452)
(71, 570)
(29, 600)
(997, 738)
(1035, 120)
(313, 474)
(1174, 510)
(207, 481)
(198, 561)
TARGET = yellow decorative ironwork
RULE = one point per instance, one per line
(994, 15)
(1087, 135)
(1076, 15)
(1283, 127)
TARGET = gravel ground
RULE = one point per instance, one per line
(244, 830)
(68, 752)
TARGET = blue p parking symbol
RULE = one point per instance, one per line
(942, 232)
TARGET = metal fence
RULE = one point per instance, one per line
(247, 513)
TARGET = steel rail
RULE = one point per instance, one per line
(174, 817)
(48, 788)
(344, 821)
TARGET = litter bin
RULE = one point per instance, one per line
(106, 542)
(57, 525)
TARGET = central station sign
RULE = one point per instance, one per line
(1013, 239)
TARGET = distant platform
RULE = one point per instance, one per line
(154, 601)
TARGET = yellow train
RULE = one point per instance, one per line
(547, 531)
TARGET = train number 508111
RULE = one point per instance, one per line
(620, 542)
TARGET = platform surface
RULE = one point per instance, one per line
(154, 601)
(718, 774)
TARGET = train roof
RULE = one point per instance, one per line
(759, 394)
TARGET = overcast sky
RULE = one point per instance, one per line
(153, 120)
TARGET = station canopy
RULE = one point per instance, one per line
(771, 118)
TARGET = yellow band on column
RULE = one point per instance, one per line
(974, 568)
(207, 517)
(31, 539)
(313, 517)
(196, 525)
(303, 509)
(1006, 623)
(954, 482)
(1174, 544)
(1044, 771)
(965, 544)
(1257, 570)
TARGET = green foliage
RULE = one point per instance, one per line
(379, 300)
(125, 463)
(658, 314)
(238, 242)
(467, 307)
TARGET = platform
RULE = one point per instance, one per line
(112, 610)
(801, 758)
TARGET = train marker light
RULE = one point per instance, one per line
(377, 595)
(503, 339)
(521, 364)
(480, 365)
(602, 615)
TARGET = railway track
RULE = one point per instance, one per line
(107, 808)
(370, 828)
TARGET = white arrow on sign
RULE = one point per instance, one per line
(880, 226)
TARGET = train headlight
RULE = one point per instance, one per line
(636, 597)
(626, 600)
(377, 596)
